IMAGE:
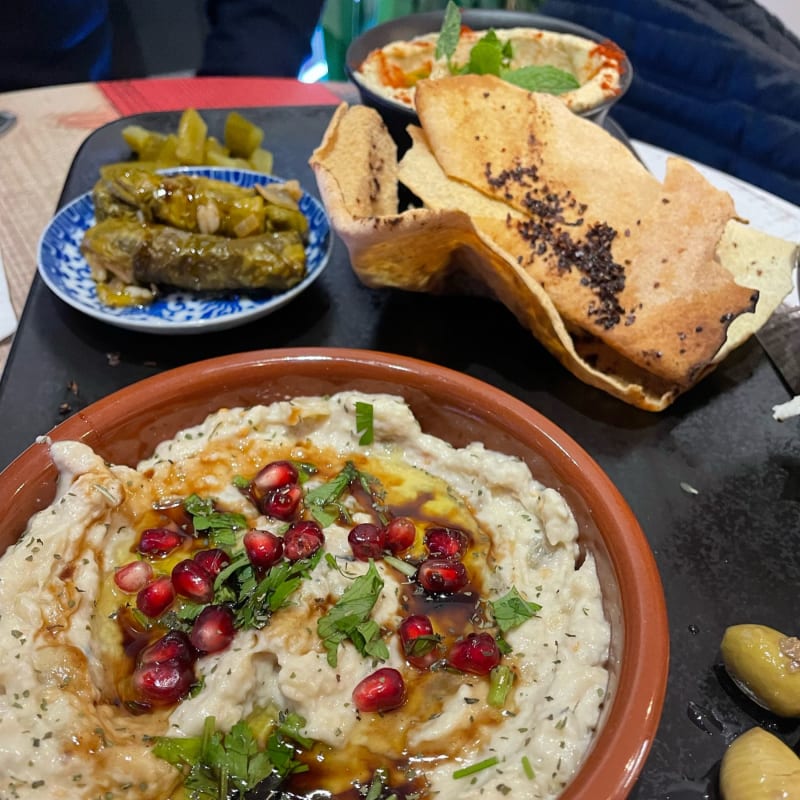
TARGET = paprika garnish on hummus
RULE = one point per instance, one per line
(595, 68)
(638, 287)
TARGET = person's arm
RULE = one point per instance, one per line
(45, 43)
(259, 37)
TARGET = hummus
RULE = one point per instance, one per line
(71, 725)
(394, 70)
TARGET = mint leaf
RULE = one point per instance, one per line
(450, 32)
(543, 78)
(349, 619)
(489, 56)
(486, 56)
(512, 609)
(364, 419)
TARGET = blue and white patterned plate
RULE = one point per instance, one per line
(66, 273)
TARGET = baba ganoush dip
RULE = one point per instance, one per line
(315, 593)
(394, 70)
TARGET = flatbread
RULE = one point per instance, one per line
(623, 257)
(437, 251)
(466, 237)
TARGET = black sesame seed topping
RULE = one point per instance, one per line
(546, 234)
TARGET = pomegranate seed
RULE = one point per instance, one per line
(213, 560)
(281, 503)
(156, 597)
(193, 581)
(302, 540)
(414, 626)
(383, 690)
(366, 541)
(159, 542)
(478, 654)
(163, 684)
(264, 549)
(173, 646)
(400, 534)
(213, 629)
(446, 542)
(132, 577)
(420, 643)
(273, 476)
(442, 576)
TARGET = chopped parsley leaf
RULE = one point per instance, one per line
(364, 422)
(324, 502)
(349, 619)
(512, 609)
(221, 526)
(220, 765)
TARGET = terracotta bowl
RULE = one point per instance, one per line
(125, 426)
(397, 116)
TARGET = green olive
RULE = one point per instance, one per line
(763, 663)
(759, 766)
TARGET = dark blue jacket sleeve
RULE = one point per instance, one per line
(51, 43)
(714, 80)
(259, 37)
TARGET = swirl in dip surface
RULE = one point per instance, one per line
(77, 717)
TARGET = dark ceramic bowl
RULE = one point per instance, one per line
(126, 426)
(397, 116)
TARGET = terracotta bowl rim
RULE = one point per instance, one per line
(619, 752)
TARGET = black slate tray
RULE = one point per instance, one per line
(727, 554)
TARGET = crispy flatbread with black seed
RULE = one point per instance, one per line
(627, 259)
(639, 288)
